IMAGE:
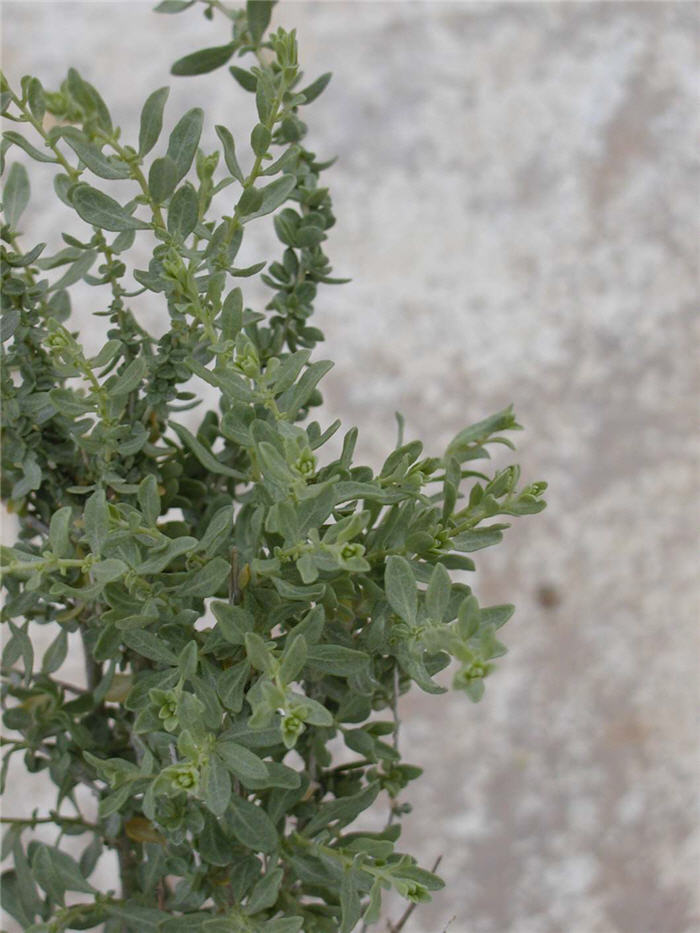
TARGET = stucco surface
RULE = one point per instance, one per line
(517, 203)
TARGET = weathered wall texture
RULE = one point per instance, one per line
(517, 204)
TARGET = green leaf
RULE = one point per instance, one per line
(162, 179)
(31, 478)
(350, 906)
(497, 615)
(258, 654)
(258, 13)
(273, 195)
(249, 202)
(104, 571)
(36, 98)
(184, 140)
(303, 593)
(204, 61)
(59, 532)
(149, 499)
(284, 925)
(231, 685)
(159, 560)
(148, 646)
(468, 617)
(273, 464)
(129, 379)
(293, 659)
(96, 518)
(76, 271)
(233, 622)
(337, 660)
(208, 580)
(91, 156)
(264, 96)
(152, 120)
(477, 539)
(173, 6)
(230, 153)
(56, 872)
(218, 530)
(476, 434)
(260, 139)
(55, 654)
(313, 90)
(183, 211)
(299, 394)
(189, 659)
(400, 587)
(290, 367)
(437, 596)
(36, 154)
(13, 904)
(252, 826)
(15, 195)
(344, 809)
(205, 457)
(264, 894)
(217, 786)
(374, 906)
(89, 100)
(139, 919)
(246, 80)
(99, 209)
(106, 354)
(26, 888)
(241, 761)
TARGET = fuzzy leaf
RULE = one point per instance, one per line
(401, 588)
(204, 61)
(99, 209)
(15, 194)
(152, 120)
(184, 140)
(252, 826)
(183, 211)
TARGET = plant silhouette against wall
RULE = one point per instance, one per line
(243, 598)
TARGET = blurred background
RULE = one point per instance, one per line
(517, 203)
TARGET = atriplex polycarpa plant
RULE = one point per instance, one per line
(327, 585)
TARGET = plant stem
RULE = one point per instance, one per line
(55, 818)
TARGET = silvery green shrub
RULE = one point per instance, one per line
(243, 598)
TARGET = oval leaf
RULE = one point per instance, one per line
(183, 211)
(152, 120)
(252, 826)
(184, 140)
(204, 61)
(15, 195)
(102, 211)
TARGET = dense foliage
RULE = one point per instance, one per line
(250, 607)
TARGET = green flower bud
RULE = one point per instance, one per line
(292, 727)
(352, 550)
(168, 711)
(305, 465)
(184, 777)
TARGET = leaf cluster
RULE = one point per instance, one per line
(245, 600)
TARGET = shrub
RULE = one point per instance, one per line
(250, 606)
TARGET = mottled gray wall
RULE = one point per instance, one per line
(517, 204)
